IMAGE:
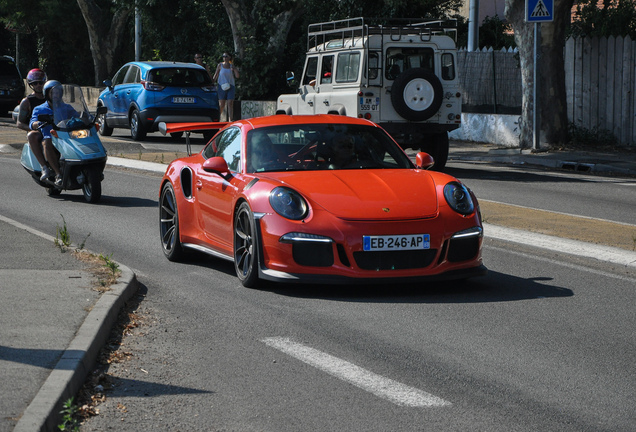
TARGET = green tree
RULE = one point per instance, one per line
(554, 119)
(496, 33)
(612, 18)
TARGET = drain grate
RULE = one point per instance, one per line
(577, 166)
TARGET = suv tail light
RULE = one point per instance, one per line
(152, 86)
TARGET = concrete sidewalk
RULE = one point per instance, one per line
(53, 324)
(621, 162)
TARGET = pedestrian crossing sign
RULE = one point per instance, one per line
(539, 10)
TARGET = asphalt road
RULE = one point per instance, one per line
(544, 342)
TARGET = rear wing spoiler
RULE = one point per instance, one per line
(168, 128)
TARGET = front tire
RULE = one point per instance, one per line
(104, 130)
(92, 187)
(53, 191)
(245, 246)
(137, 130)
(169, 224)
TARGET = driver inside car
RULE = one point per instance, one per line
(343, 151)
(262, 155)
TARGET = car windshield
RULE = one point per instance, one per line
(322, 147)
(183, 77)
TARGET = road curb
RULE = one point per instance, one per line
(78, 360)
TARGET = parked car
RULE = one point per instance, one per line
(320, 199)
(11, 85)
(143, 94)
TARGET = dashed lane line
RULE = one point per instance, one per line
(386, 388)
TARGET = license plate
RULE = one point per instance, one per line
(182, 99)
(396, 242)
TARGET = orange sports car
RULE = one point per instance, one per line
(318, 199)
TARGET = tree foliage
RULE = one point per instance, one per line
(610, 18)
(496, 33)
(85, 41)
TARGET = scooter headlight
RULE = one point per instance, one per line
(79, 134)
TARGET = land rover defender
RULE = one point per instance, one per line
(398, 73)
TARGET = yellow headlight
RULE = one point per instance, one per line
(78, 134)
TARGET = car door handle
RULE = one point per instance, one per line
(199, 184)
(326, 102)
(310, 103)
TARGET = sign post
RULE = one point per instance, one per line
(537, 11)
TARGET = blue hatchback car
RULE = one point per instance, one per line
(143, 94)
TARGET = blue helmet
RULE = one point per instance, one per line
(51, 84)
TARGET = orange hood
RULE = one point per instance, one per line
(367, 194)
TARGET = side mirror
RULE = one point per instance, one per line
(291, 79)
(216, 165)
(424, 161)
(108, 83)
(45, 118)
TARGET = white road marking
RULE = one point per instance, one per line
(380, 386)
(557, 244)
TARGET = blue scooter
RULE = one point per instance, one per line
(82, 155)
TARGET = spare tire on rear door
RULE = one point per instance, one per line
(417, 94)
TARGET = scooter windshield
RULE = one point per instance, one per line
(69, 109)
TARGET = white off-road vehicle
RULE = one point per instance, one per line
(400, 74)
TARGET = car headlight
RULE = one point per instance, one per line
(458, 198)
(288, 203)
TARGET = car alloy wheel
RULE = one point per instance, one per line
(169, 224)
(245, 246)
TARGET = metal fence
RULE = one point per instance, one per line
(490, 81)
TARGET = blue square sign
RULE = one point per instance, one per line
(539, 10)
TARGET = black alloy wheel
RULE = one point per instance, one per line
(169, 224)
(245, 246)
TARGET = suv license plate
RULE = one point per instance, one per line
(181, 99)
(396, 242)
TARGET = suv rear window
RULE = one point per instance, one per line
(400, 59)
(183, 77)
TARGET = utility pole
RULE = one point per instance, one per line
(473, 26)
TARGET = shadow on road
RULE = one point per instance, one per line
(495, 287)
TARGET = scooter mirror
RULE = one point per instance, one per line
(46, 118)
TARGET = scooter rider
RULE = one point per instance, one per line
(53, 92)
(35, 79)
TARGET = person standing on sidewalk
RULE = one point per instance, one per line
(35, 79)
(225, 76)
(198, 59)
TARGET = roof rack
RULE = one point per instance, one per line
(352, 28)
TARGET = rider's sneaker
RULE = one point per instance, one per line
(46, 173)
(58, 180)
